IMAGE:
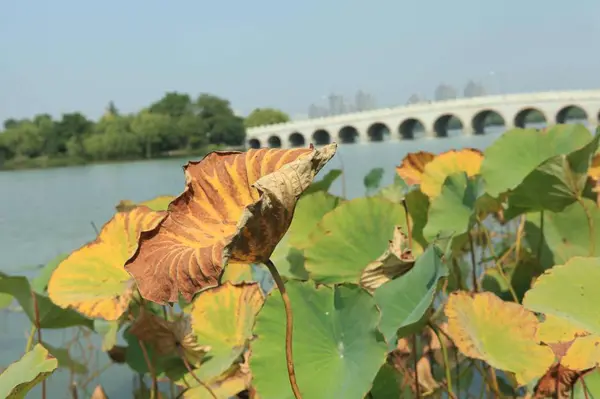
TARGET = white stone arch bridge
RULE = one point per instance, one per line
(468, 116)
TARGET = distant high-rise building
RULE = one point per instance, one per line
(445, 92)
(473, 89)
(337, 105)
(314, 111)
(364, 101)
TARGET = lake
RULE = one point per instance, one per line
(44, 213)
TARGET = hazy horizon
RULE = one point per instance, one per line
(69, 56)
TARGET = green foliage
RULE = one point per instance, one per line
(405, 301)
(491, 280)
(175, 125)
(336, 330)
(265, 116)
(373, 179)
(21, 376)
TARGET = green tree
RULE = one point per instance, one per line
(173, 104)
(113, 139)
(265, 116)
(193, 130)
(11, 122)
(112, 109)
(70, 133)
(24, 139)
(149, 128)
(222, 125)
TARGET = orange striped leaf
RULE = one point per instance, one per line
(235, 208)
(413, 166)
(93, 279)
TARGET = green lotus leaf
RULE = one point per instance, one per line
(516, 154)
(222, 319)
(50, 315)
(404, 300)
(388, 384)
(289, 260)
(396, 191)
(569, 291)
(565, 234)
(587, 386)
(65, 360)
(5, 299)
(372, 180)
(21, 376)
(309, 211)
(226, 385)
(350, 237)
(40, 282)
(503, 334)
(557, 182)
(108, 330)
(519, 275)
(325, 183)
(453, 211)
(338, 350)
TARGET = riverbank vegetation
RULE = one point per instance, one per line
(175, 125)
(472, 275)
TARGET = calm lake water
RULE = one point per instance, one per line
(44, 213)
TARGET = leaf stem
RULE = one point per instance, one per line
(194, 376)
(520, 230)
(497, 262)
(408, 226)
(541, 240)
(154, 392)
(473, 263)
(289, 326)
(445, 356)
(590, 222)
(415, 363)
(36, 311)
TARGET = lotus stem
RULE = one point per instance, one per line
(289, 327)
(408, 226)
(154, 393)
(194, 376)
(473, 263)
(446, 361)
(36, 311)
(541, 241)
(498, 262)
(415, 363)
(590, 222)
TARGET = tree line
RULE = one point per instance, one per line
(175, 125)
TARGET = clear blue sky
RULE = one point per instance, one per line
(66, 55)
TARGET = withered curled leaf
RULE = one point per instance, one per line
(169, 337)
(235, 208)
(394, 262)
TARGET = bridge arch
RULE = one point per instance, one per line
(348, 134)
(254, 143)
(446, 122)
(274, 142)
(530, 117)
(409, 128)
(321, 137)
(571, 114)
(486, 119)
(378, 131)
(296, 139)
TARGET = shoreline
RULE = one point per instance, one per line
(56, 163)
